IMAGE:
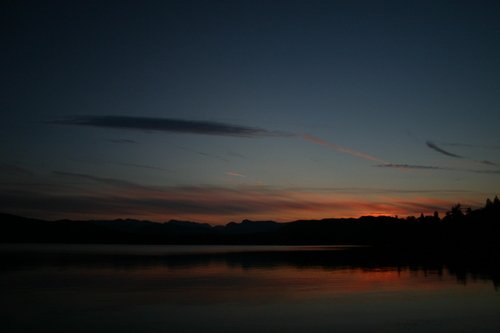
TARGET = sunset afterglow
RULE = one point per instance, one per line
(262, 110)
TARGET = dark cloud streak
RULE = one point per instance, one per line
(412, 166)
(433, 146)
(431, 167)
(170, 125)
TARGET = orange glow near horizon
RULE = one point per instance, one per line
(218, 205)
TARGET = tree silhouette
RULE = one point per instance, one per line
(436, 216)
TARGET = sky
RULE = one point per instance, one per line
(219, 111)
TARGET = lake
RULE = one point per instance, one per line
(137, 288)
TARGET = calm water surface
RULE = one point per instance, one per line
(89, 288)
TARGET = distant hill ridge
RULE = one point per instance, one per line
(459, 227)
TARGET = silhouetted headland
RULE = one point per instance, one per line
(459, 228)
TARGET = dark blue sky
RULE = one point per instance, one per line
(220, 110)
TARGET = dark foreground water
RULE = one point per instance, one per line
(89, 288)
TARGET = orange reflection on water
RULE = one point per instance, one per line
(219, 281)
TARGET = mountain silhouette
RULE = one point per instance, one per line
(459, 228)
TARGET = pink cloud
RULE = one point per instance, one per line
(341, 149)
(235, 174)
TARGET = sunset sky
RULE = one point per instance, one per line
(217, 111)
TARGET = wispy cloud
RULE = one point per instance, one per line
(490, 172)
(122, 141)
(487, 162)
(432, 145)
(376, 190)
(235, 174)
(102, 180)
(170, 125)
(411, 166)
(341, 149)
(213, 156)
(431, 167)
(140, 166)
(468, 145)
(10, 170)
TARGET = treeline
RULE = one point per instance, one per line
(459, 228)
